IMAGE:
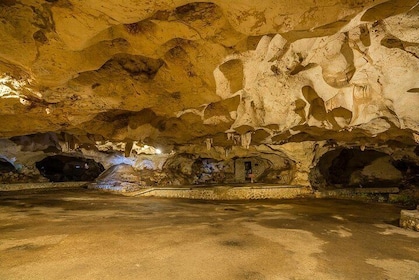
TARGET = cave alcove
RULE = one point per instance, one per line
(62, 168)
(206, 171)
(353, 167)
(250, 165)
(211, 171)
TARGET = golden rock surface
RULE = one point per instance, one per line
(182, 72)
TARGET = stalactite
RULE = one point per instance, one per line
(234, 137)
(209, 142)
(67, 146)
(246, 139)
(227, 152)
(128, 148)
(71, 143)
(237, 139)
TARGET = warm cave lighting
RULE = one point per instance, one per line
(158, 152)
(6, 91)
(9, 88)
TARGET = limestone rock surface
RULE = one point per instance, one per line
(320, 93)
(180, 72)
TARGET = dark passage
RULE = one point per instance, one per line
(349, 161)
(410, 171)
(65, 168)
(247, 170)
(357, 168)
(6, 167)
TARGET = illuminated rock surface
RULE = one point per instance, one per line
(278, 89)
(410, 219)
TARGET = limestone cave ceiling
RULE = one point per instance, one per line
(222, 72)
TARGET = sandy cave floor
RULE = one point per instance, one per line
(85, 234)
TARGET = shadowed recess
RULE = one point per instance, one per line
(60, 168)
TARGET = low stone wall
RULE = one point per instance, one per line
(48, 185)
(354, 192)
(227, 192)
(410, 219)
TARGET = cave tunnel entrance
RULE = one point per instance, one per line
(60, 168)
(356, 168)
(6, 166)
(250, 169)
(247, 170)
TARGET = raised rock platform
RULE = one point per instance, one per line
(410, 219)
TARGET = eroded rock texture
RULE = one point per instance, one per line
(278, 82)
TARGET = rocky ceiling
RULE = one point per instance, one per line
(221, 73)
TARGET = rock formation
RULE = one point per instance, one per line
(281, 83)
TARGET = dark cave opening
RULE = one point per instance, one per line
(347, 167)
(6, 166)
(60, 168)
(349, 161)
(410, 171)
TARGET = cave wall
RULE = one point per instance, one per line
(192, 164)
(275, 82)
(318, 164)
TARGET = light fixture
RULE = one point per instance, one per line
(158, 152)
